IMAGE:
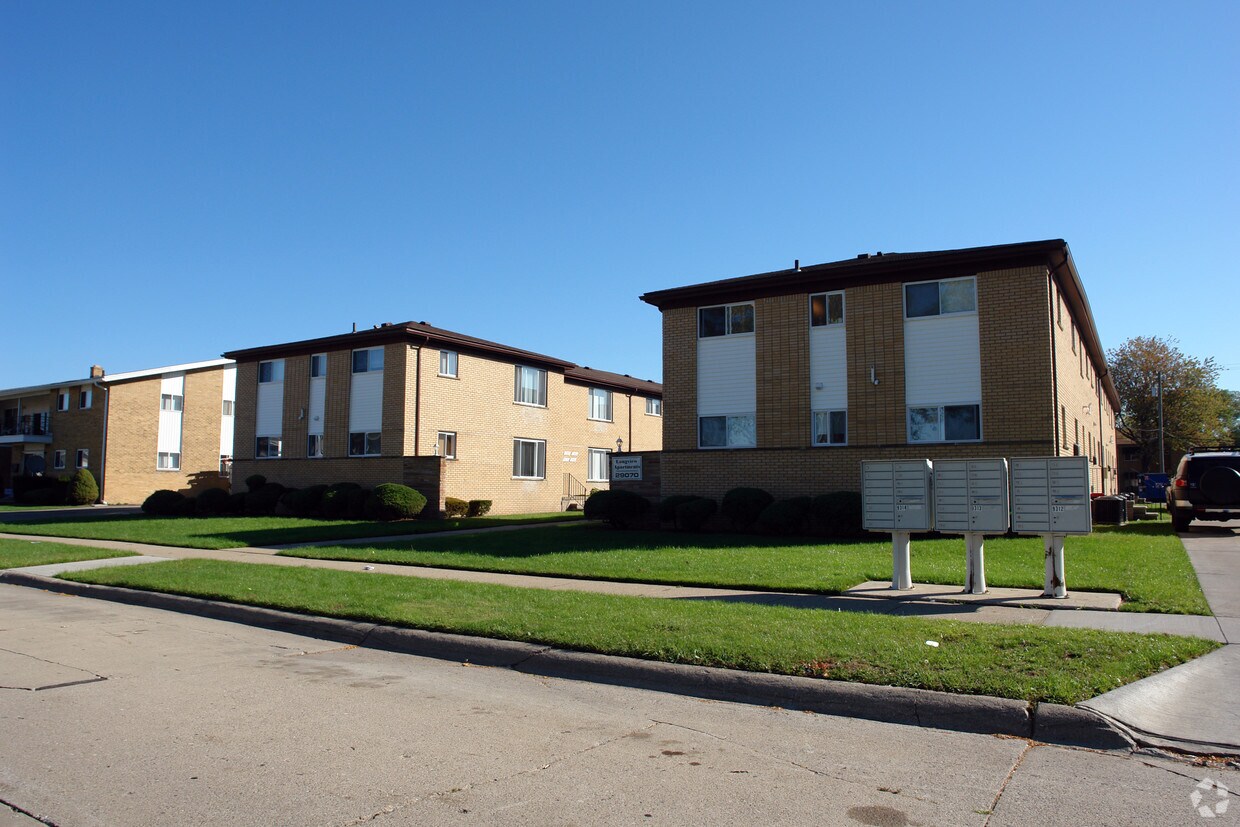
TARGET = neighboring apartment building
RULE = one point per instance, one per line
(137, 432)
(445, 413)
(788, 380)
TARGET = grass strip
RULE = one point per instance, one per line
(1026, 662)
(1144, 563)
(16, 554)
(236, 532)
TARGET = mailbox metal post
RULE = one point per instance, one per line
(898, 498)
(901, 569)
(975, 563)
(1054, 585)
(971, 498)
(1050, 497)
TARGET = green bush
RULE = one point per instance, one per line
(308, 500)
(691, 516)
(784, 516)
(454, 507)
(163, 503)
(255, 481)
(263, 501)
(393, 501)
(236, 502)
(355, 503)
(837, 514)
(83, 490)
(743, 505)
(186, 508)
(666, 510)
(286, 506)
(51, 495)
(334, 504)
(212, 501)
(619, 508)
(478, 508)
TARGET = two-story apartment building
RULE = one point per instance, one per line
(448, 414)
(137, 432)
(787, 380)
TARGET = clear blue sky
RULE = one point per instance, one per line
(180, 179)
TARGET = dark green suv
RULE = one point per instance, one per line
(1206, 486)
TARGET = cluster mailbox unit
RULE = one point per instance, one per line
(971, 498)
(1050, 496)
(898, 496)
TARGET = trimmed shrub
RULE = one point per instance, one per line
(83, 490)
(837, 514)
(255, 481)
(743, 505)
(163, 503)
(619, 508)
(478, 508)
(454, 507)
(393, 501)
(236, 502)
(308, 500)
(286, 506)
(262, 502)
(186, 508)
(212, 501)
(784, 516)
(691, 516)
(31, 490)
(334, 504)
(355, 503)
(666, 511)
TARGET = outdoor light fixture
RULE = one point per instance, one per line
(619, 444)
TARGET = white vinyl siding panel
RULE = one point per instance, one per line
(828, 367)
(366, 402)
(269, 417)
(226, 422)
(942, 360)
(726, 371)
(169, 440)
(317, 404)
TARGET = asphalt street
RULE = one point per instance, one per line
(122, 715)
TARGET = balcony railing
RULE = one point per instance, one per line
(30, 425)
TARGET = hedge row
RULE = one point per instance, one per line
(78, 488)
(837, 514)
(344, 500)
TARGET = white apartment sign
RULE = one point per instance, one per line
(626, 468)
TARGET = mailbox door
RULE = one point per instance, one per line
(878, 496)
(1031, 508)
(1069, 495)
(914, 496)
(951, 496)
(988, 495)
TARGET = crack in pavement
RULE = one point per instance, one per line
(27, 813)
(994, 805)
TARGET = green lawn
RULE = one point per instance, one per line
(235, 532)
(1146, 563)
(15, 554)
(1025, 662)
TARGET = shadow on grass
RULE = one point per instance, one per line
(901, 608)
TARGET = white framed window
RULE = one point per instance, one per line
(945, 423)
(654, 407)
(58, 459)
(369, 360)
(531, 386)
(365, 444)
(272, 371)
(84, 398)
(171, 402)
(739, 431)
(445, 444)
(600, 404)
(940, 298)
(168, 461)
(318, 365)
(268, 447)
(725, 320)
(62, 401)
(447, 363)
(314, 446)
(225, 465)
(228, 407)
(529, 459)
(826, 309)
(82, 458)
(598, 467)
(830, 427)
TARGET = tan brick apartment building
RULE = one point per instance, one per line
(137, 432)
(448, 414)
(787, 380)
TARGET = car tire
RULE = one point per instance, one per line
(1221, 485)
(1179, 521)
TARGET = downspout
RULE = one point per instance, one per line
(630, 422)
(1050, 295)
(417, 398)
(103, 447)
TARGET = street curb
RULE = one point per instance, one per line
(1048, 723)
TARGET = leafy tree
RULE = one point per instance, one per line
(1195, 411)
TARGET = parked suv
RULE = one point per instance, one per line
(1206, 486)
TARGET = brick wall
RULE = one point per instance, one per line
(650, 485)
(73, 429)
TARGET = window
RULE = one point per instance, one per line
(654, 407)
(446, 445)
(84, 398)
(1073, 326)
(366, 444)
(447, 363)
(225, 465)
(62, 401)
(597, 470)
(600, 404)
(314, 446)
(268, 447)
(271, 371)
(830, 427)
(318, 365)
(58, 460)
(82, 458)
(168, 461)
(727, 431)
(531, 386)
(228, 407)
(939, 298)
(171, 402)
(726, 320)
(529, 459)
(825, 309)
(945, 423)
(368, 361)
(1059, 309)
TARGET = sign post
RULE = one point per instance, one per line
(1050, 497)
(898, 497)
(971, 498)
